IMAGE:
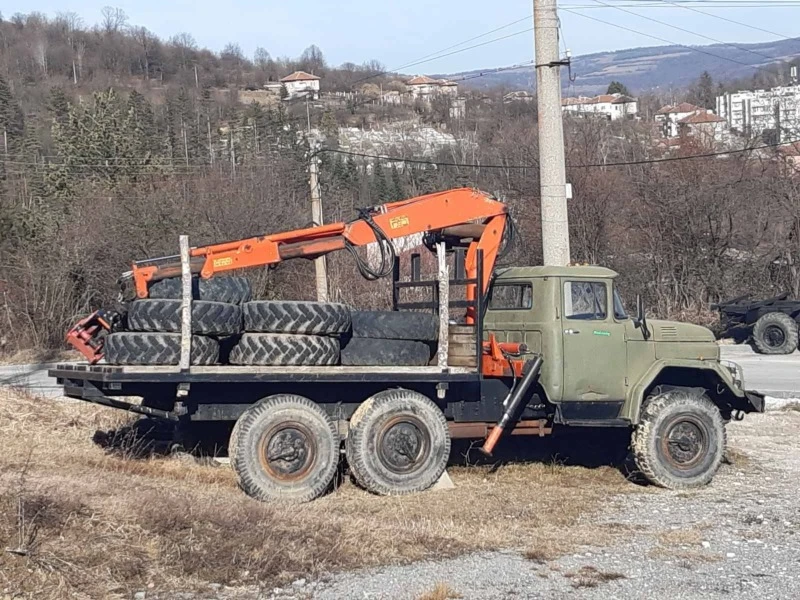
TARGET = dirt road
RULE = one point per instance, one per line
(738, 538)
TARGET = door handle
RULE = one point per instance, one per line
(571, 331)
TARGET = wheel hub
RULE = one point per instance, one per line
(403, 444)
(287, 451)
(774, 336)
(685, 443)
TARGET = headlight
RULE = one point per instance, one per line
(736, 372)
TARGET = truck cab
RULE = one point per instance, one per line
(603, 365)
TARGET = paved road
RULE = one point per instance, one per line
(777, 376)
(32, 377)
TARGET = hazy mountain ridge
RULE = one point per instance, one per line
(648, 68)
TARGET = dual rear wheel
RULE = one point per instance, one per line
(287, 447)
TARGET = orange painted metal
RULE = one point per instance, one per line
(495, 364)
(431, 212)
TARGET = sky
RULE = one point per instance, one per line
(399, 33)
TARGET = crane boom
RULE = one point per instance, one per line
(463, 213)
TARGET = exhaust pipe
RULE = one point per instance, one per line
(512, 402)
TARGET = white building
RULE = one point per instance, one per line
(301, 84)
(669, 116)
(753, 113)
(426, 87)
(704, 126)
(610, 106)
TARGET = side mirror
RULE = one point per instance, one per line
(641, 318)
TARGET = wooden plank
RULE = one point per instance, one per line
(186, 305)
(462, 339)
(462, 350)
(462, 329)
(463, 361)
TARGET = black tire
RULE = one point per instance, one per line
(276, 349)
(775, 333)
(230, 289)
(680, 440)
(398, 443)
(316, 318)
(208, 318)
(135, 348)
(361, 352)
(284, 448)
(394, 325)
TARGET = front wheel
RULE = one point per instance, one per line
(680, 440)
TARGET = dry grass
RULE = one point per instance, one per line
(590, 577)
(24, 357)
(93, 524)
(737, 458)
(682, 537)
(686, 558)
(441, 591)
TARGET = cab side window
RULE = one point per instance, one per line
(585, 300)
(511, 296)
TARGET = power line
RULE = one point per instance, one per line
(702, 12)
(486, 43)
(472, 39)
(660, 39)
(575, 166)
(630, 12)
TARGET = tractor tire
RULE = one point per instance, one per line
(394, 325)
(277, 349)
(284, 448)
(362, 352)
(399, 444)
(136, 348)
(208, 318)
(230, 289)
(775, 333)
(314, 318)
(680, 440)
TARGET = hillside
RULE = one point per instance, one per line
(653, 68)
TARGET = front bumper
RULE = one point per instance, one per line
(755, 402)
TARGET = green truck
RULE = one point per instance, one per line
(586, 362)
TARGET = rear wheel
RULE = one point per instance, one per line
(775, 333)
(284, 448)
(680, 440)
(398, 443)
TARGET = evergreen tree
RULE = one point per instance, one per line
(12, 122)
(397, 191)
(57, 104)
(379, 190)
(616, 87)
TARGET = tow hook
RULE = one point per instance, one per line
(738, 415)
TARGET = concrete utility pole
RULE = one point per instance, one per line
(552, 171)
(320, 268)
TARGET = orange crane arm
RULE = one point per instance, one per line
(463, 213)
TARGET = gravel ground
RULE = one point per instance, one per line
(737, 538)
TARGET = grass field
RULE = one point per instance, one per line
(77, 520)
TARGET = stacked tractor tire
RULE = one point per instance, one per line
(154, 324)
(228, 328)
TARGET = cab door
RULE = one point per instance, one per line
(594, 344)
(510, 314)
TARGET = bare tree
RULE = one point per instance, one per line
(114, 19)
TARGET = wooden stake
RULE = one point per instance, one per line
(186, 305)
(443, 276)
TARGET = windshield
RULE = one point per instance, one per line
(619, 307)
